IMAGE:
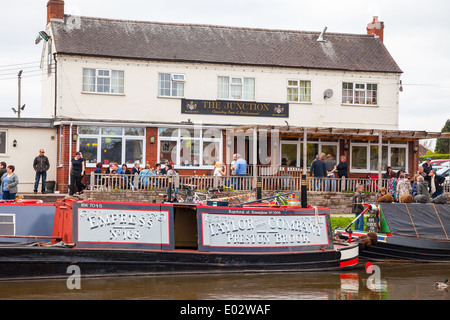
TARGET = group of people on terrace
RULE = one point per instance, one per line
(425, 186)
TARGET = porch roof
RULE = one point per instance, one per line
(349, 133)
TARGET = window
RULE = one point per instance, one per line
(103, 81)
(298, 91)
(111, 144)
(190, 147)
(292, 151)
(364, 156)
(8, 224)
(3, 149)
(171, 85)
(359, 93)
(236, 88)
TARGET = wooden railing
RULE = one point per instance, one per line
(289, 182)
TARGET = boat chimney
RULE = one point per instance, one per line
(304, 196)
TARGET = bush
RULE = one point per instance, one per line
(434, 156)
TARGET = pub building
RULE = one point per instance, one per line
(125, 91)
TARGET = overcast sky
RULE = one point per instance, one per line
(417, 34)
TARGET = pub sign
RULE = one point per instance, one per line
(235, 108)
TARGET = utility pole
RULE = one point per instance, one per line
(20, 87)
(19, 108)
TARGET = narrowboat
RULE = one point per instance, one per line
(405, 231)
(120, 239)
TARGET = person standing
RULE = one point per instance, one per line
(9, 182)
(41, 166)
(76, 172)
(436, 184)
(241, 171)
(342, 171)
(358, 208)
(319, 171)
(329, 165)
(427, 167)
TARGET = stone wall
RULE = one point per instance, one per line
(336, 201)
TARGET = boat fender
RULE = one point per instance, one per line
(367, 240)
(31, 201)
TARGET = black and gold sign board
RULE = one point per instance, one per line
(235, 108)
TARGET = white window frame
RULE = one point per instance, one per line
(200, 138)
(231, 84)
(319, 142)
(384, 144)
(124, 138)
(178, 78)
(97, 76)
(9, 223)
(363, 90)
(299, 88)
(6, 142)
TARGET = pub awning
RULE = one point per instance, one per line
(347, 133)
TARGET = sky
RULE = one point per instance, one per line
(417, 35)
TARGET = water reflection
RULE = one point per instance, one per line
(380, 281)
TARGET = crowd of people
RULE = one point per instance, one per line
(425, 186)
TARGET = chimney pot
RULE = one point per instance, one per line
(376, 27)
(55, 10)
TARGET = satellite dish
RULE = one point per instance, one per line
(328, 94)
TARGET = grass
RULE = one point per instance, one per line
(340, 221)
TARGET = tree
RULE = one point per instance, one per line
(442, 145)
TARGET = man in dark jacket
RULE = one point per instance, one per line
(358, 207)
(436, 184)
(427, 167)
(41, 166)
(318, 170)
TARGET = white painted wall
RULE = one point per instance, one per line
(141, 102)
(29, 142)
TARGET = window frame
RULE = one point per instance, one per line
(244, 88)
(310, 156)
(357, 91)
(389, 144)
(299, 90)
(173, 80)
(124, 139)
(199, 136)
(6, 142)
(111, 79)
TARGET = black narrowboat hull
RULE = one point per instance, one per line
(51, 262)
(396, 247)
(404, 248)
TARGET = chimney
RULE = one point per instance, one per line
(55, 10)
(376, 27)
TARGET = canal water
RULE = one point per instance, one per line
(380, 281)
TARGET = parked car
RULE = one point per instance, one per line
(440, 162)
(445, 172)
